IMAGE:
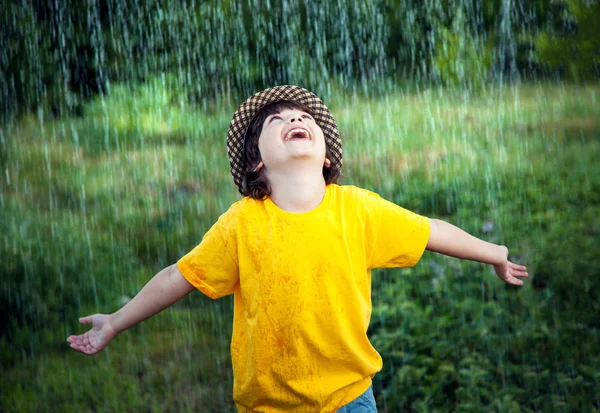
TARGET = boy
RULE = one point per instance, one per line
(296, 252)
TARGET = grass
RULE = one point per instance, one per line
(92, 207)
(169, 365)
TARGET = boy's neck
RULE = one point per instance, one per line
(298, 192)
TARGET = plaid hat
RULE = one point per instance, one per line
(247, 110)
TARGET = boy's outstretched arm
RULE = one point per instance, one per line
(163, 290)
(447, 239)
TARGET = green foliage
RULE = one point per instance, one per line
(452, 336)
(462, 60)
(412, 35)
(216, 50)
(93, 207)
(571, 46)
(56, 57)
(21, 64)
(151, 356)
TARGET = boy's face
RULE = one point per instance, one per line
(291, 135)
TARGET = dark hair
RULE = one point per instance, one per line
(255, 184)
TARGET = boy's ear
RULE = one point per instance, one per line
(259, 166)
(327, 163)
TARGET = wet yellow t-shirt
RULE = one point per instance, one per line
(302, 285)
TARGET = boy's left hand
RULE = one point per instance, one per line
(508, 271)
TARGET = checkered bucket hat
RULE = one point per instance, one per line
(247, 110)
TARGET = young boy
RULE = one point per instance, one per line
(297, 253)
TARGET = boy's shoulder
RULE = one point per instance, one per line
(241, 205)
(353, 190)
(356, 193)
(243, 208)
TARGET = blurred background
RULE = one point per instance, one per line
(113, 164)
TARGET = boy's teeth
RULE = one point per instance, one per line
(293, 132)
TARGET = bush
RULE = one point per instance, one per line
(461, 58)
(451, 334)
(571, 48)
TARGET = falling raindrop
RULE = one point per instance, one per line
(113, 119)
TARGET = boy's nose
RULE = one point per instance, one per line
(299, 119)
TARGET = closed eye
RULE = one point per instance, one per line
(275, 117)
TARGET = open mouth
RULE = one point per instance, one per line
(298, 134)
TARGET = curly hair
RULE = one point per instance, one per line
(255, 184)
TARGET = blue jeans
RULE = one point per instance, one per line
(365, 403)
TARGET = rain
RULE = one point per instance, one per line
(113, 165)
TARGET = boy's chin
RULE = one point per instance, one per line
(300, 157)
(303, 151)
(301, 161)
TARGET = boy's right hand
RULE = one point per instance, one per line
(97, 338)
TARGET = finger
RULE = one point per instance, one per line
(517, 267)
(519, 274)
(86, 320)
(516, 271)
(513, 281)
(90, 350)
(85, 349)
(74, 340)
(76, 347)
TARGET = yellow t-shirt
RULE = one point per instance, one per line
(302, 285)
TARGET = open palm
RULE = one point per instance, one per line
(508, 271)
(97, 338)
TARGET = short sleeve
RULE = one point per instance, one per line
(399, 235)
(212, 266)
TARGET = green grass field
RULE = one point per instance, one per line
(93, 207)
